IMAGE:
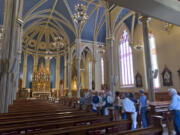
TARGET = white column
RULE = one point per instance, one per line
(110, 42)
(8, 55)
(19, 35)
(148, 64)
(97, 73)
(57, 75)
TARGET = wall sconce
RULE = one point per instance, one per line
(167, 26)
(138, 47)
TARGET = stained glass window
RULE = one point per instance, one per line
(126, 61)
(154, 62)
(102, 70)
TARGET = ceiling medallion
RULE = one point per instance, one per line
(80, 16)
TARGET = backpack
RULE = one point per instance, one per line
(95, 99)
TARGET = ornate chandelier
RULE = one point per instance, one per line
(80, 16)
(59, 42)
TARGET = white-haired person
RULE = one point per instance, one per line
(175, 108)
(129, 107)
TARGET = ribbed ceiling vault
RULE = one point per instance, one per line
(46, 19)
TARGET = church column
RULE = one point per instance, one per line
(24, 70)
(65, 70)
(148, 64)
(47, 64)
(19, 35)
(57, 74)
(110, 42)
(35, 62)
(69, 73)
(8, 60)
(78, 56)
(97, 72)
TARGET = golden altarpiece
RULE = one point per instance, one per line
(41, 82)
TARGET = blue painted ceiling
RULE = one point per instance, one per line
(57, 14)
(1, 11)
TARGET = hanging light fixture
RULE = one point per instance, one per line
(80, 16)
(59, 42)
(167, 26)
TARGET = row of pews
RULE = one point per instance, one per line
(67, 117)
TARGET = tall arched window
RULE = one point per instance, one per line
(90, 75)
(126, 61)
(102, 70)
(154, 62)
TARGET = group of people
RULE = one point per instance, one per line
(128, 104)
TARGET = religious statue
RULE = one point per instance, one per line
(167, 77)
(138, 80)
(61, 88)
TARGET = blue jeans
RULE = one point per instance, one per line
(144, 117)
(176, 117)
(124, 116)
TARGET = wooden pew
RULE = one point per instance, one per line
(154, 129)
(161, 108)
(52, 124)
(85, 129)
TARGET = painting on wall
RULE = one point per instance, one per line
(179, 72)
(167, 77)
(138, 80)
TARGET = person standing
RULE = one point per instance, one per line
(117, 103)
(175, 108)
(95, 102)
(143, 108)
(108, 102)
(129, 107)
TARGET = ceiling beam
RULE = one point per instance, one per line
(154, 8)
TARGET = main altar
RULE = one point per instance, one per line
(41, 83)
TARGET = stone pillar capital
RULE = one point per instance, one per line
(19, 22)
(110, 38)
(78, 58)
(143, 19)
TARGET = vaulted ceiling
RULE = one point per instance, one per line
(44, 20)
